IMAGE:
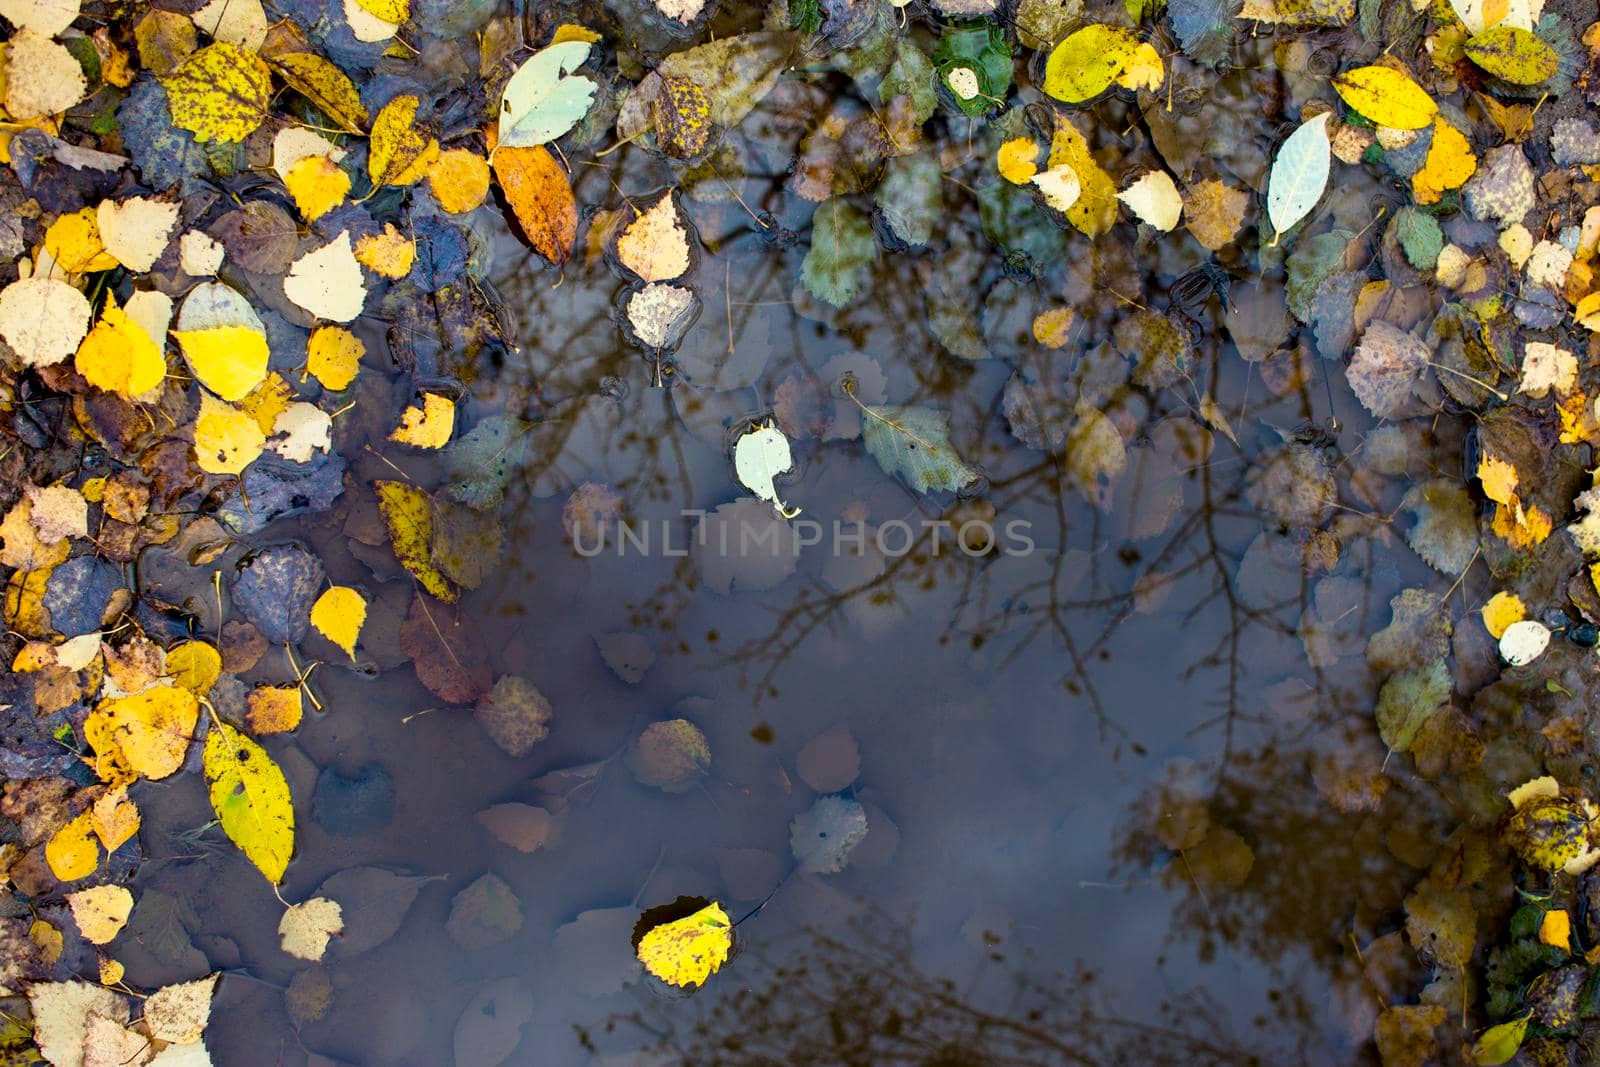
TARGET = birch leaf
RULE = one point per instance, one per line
(220, 93)
(690, 950)
(1300, 174)
(251, 799)
(841, 247)
(1386, 96)
(914, 443)
(1155, 200)
(1087, 61)
(761, 455)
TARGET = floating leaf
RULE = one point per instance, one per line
(250, 798)
(1449, 164)
(1386, 364)
(43, 320)
(1299, 174)
(460, 180)
(326, 86)
(655, 245)
(408, 513)
(327, 281)
(144, 734)
(1087, 61)
(53, 80)
(427, 426)
(1500, 1044)
(1501, 611)
(333, 356)
(1523, 642)
(541, 198)
(672, 755)
(823, 836)
(544, 99)
(914, 443)
(180, 1012)
(306, 928)
(226, 439)
(400, 153)
(101, 912)
(223, 340)
(119, 356)
(1155, 199)
(71, 852)
(758, 457)
(338, 615)
(1386, 96)
(689, 950)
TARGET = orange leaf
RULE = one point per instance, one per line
(541, 197)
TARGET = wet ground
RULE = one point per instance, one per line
(1037, 728)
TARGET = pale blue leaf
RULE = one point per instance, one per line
(543, 100)
(1300, 174)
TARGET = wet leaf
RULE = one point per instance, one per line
(326, 86)
(1387, 96)
(251, 799)
(842, 245)
(544, 99)
(71, 851)
(1513, 53)
(914, 443)
(226, 439)
(655, 245)
(1408, 700)
(1446, 530)
(1387, 363)
(1155, 200)
(306, 928)
(54, 80)
(408, 514)
(688, 951)
(1501, 611)
(491, 1025)
(373, 903)
(1499, 1044)
(758, 457)
(1087, 61)
(338, 615)
(144, 734)
(1299, 174)
(223, 340)
(327, 281)
(220, 93)
(101, 912)
(541, 199)
(830, 761)
(427, 426)
(119, 356)
(43, 320)
(484, 914)
(61, 1015)
(400, 153)
(1523, 642)
(823, 836)
(515, 715)
(672, 755)
(180, 1012)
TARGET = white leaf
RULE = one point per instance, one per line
(327, 281)
(760, 456)
(542, 100)
(294, 143)
(1300, 174)
(44, 79)
(300, 430)
(45, 17)
(43, 320)
(1546, 367)
(1523, 642)
(241, 23)
(137, 230)
(1155, 199)
(199, 254)
(1059, 185)
(654, 312)
(306, 927)
(366, 26)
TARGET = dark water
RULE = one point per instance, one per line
(1032, 725)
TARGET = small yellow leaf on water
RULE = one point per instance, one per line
(49, 942)
(226, 439)
(101, 912)
(572, 31)
(333, 356)
(408, 513)
(1144, 69)
(389, 253)
(400, 153)
(144, 734)
(273, 709)
(1501, 611)
(428, 426)
(338, 615)
(72, 852)
(251, 799)
(1449, 164)
(1017, 160)
(655, 246)
(318, 185)
(111, 971)
(1052, 328)
(689, 950)
(460, 180)
(194, 665)
(1499, 478)
(306, 927)
(1386, 96)
(115, 817)
(229, 360)
(119, 357)
(1555, 929)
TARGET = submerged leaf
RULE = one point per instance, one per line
(914, 443)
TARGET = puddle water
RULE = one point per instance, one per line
(1119, 770)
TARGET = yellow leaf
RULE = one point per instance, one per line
(111, 971)
(267, 401)
(1501, 611)
(273, 709)
(429, 426)
(1086, 62)
(655, 246)
(326, 86)
(119, 357)
(163, 38)
(400, 153)
(144, 734)
(1095, 210)
(1017, 160)
(1521, 527)
(1052, 328)
(1144, 69)
(1449, 164)
(571, 31)
(194, 665)
(229, 360)
(251, 799)
(115, 817)
(409, 515)
(333, 356)
(226, 440)
(101, 912)
(1386, 96)
(1499, 478)
(460, 180)
(1513, 53)
(338, 615)
(220, 93)
(318, 185)
(73, 241)
(388, 253)
(690, 950)
(395, 11)
(540, 196)
(72, 852)
(1587, 312)
(1555, 929)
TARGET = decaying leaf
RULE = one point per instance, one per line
(687, 951)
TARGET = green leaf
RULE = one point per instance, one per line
(543, 100)
(841, 246)
(1514, 54)
(1420, 236)
(911, 197)
(914, 443)
(910, 75)
(1408, 700)
(1499, 1043)
(1300, 174)
(983, 50)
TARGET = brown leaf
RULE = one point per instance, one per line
(541, 198)
(448, 655)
